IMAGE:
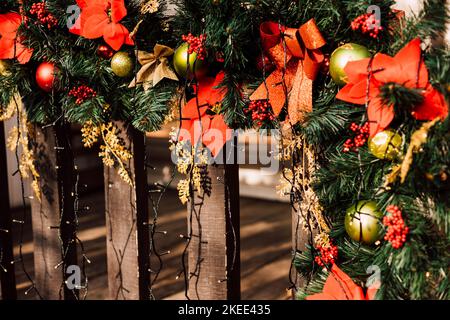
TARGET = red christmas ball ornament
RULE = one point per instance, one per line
(105, 52)
(325, 66)
(46, 76)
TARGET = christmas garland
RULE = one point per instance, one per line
(361, 105)
(74, 61)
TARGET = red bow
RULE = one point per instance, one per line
(339, 286)
(10, 45)
(100, 18)
(304, 45)
(407, 69)
(198, 123)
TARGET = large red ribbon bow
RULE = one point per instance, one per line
(406, 68)
(300, 64)
(339, 286)
(200, 122)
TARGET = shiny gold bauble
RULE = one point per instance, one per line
(4, 68)
(363, 222)
(122, 64)
(342, 55)
(180, 63)
(386, 144)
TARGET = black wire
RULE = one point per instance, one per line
(24, 211)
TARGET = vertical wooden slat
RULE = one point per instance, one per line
(45, 216)
(128, 243)
(214, 249)
(233, 224)
(301, 237)
(66, 192)
(7, 274)
(54, 162)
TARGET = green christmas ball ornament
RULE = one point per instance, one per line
(386, 144)
(363, 222)
(122, 64)
(180, 63)
(342, 55)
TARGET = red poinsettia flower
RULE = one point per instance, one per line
(198, 123)
(100, 18)
(339, 286)
(405, 68)
(10, 45)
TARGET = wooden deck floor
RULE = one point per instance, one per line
(265, 232)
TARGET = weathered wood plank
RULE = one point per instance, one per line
(7, 272)
(53, 217)
(302, 233)
(300, 239)
(214, 249)
(127, 224)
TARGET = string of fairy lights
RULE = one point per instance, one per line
(298, 161)
(120, 253)
(195, 205)
(24, 213)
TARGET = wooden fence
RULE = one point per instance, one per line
(212, 232)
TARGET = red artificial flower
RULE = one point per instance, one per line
(405, 68)
(197, 123)
(10, 45)
(339, 286)
(100, 18)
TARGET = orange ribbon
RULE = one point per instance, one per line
(297, 67)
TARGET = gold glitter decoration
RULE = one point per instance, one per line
(113, 149)
(190, 162)
(298, 180)
(149, 6)
(18, 138)
(90, 134)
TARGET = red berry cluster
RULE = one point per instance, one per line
(196, 44)
(367, 24)
(261, 111)
(82, 93)
(360, 138)
(43, 15)
(327, 255)
(397, 230)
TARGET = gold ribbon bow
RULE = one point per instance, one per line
(155, 67)
(297, 67)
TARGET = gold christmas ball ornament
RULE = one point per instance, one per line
(363, 222)
(386, 144)
(4, 68)
(342, 55)
(122, 64)
(180, 63)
